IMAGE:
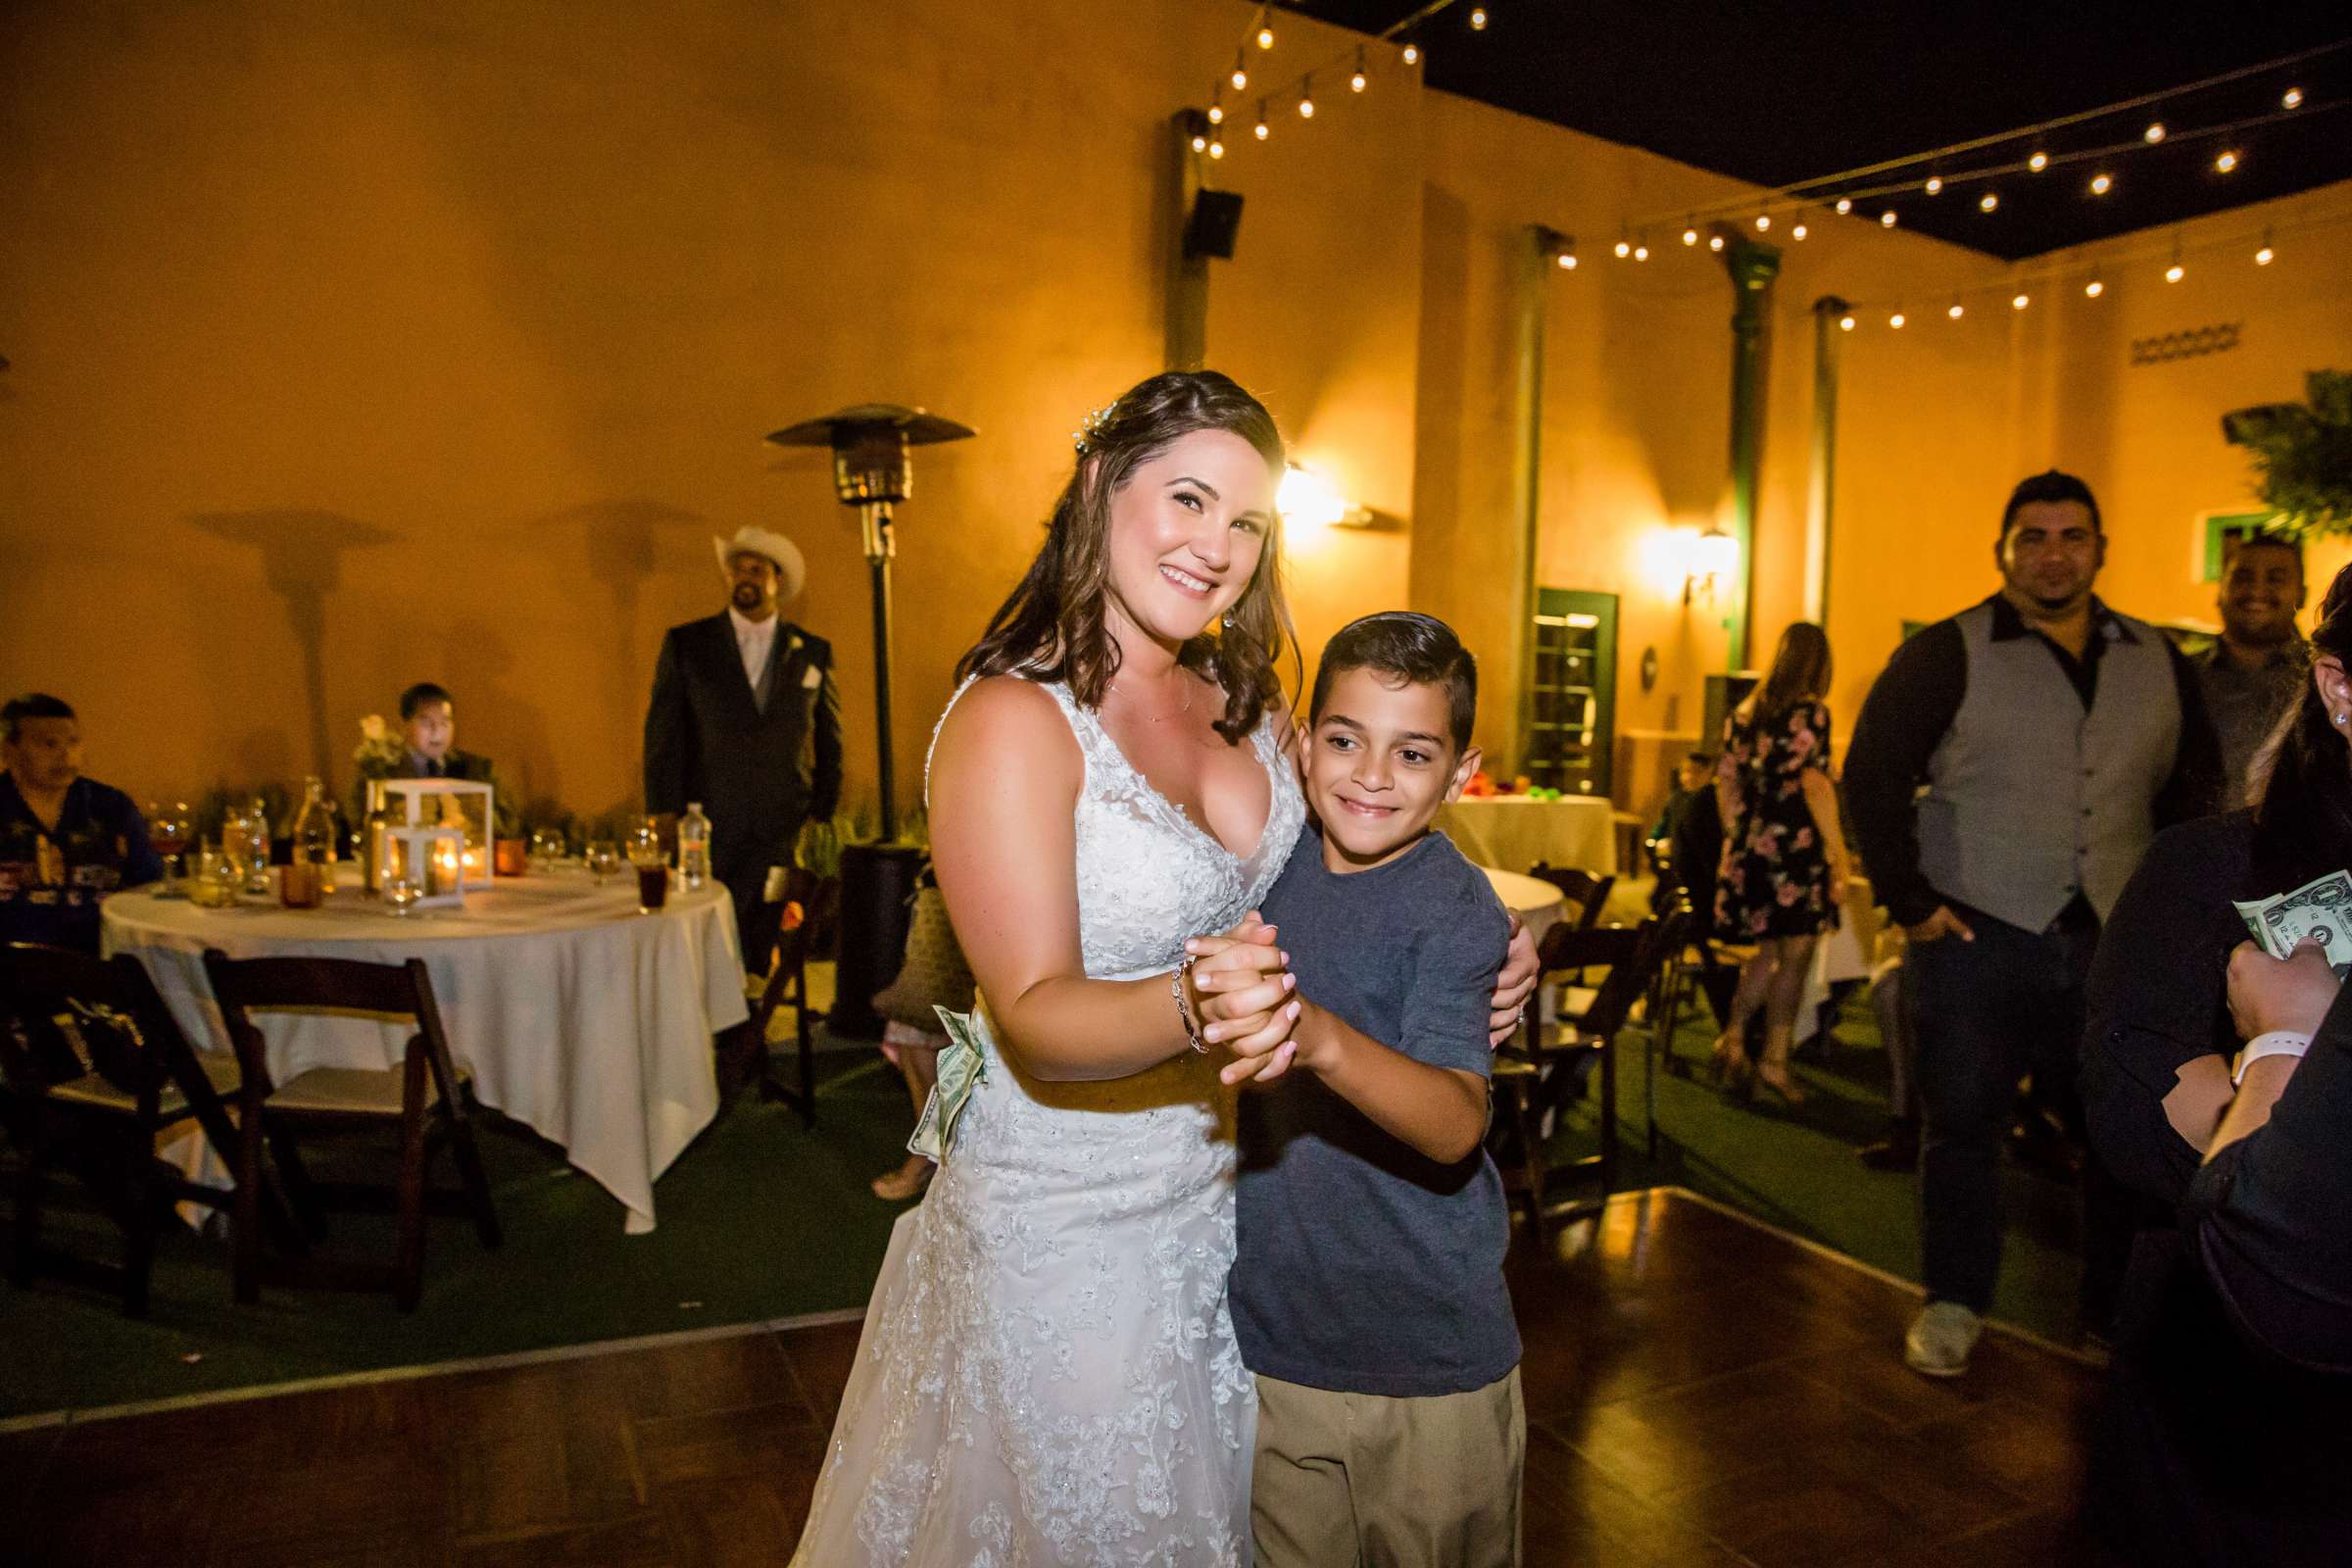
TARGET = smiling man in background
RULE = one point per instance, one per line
(2256, 666)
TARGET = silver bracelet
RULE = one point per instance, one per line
(1184, 1014)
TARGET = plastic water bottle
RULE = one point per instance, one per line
(694, 847)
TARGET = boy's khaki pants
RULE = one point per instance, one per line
(1365, 1481)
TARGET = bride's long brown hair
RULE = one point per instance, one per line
(1052, 626)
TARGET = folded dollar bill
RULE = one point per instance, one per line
(962, 1066)
(2320, 907)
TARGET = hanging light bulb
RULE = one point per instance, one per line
(1935, 186)
(2175, 272)
(2264, 256)
(1624, 248)
(1886, 219)
(1216, 148)
(1357, 83)
(2292, 98)
(1641, 253)
(1261, 129)
(1957, 310)
(2226, 163)
(2093, 289)
(1691, 233)
(1895, 320)
(2020, 302)
(1241, 73)
(1846, 323)
(1412, 54)
(2038, 162)
(2154, 133)
(1307, 98)
(1798, 232)
(1478, 19)
(1200, 142)
(1845, 205)
(2101, 184)
(1567, 260)
(1763, 222)
(1987, 202)
(1216, 109)
(1265, 31)
(1714, 242)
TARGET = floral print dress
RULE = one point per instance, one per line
(1775, 879)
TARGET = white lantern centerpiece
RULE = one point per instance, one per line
(462, 805)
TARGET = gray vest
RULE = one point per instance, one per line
(2030, 800)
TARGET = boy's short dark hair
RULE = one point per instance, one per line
(417, 696)
(1422, 649)
(2050, 485)
(33, 704)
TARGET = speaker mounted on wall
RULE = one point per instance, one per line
(1214, 222)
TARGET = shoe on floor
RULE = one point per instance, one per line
(1899, 1151)
(1940, 1340)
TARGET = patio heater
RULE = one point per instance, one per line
(872, 471)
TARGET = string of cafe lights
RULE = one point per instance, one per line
(2023, 152)
(1350, 65)
(2095, 276)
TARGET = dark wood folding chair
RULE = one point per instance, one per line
(95, 1070)
(424, 1099)
(1664, 1005)
(1543, 1062)
(787, 986)
(1586, 892)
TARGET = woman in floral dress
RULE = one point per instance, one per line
(1783, 857)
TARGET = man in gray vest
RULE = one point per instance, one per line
(2006, 773)
(2257, 667)
(744, 722)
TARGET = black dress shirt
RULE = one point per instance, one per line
(2227, 1434)
(99, 843)
(1913, 702)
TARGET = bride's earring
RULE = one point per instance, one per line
(1229, 628)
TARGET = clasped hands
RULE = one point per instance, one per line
(1243, 991)
(2293, 993)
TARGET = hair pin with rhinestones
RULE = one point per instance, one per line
(1091, 430)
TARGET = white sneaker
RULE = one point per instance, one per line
(1940, 1340)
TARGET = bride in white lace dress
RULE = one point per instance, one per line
(1048, 1374)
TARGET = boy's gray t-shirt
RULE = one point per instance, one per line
(1363, 1266)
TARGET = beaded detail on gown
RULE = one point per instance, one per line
(1048, 1374)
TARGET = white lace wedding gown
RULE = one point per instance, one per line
(1048, 1374)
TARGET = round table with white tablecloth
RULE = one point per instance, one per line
(1537, 903)
(1515, 832)
(582, 1019)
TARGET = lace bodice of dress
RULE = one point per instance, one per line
(1148, 876)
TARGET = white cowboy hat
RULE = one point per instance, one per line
(752, 541)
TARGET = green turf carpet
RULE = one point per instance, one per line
(762, 1219)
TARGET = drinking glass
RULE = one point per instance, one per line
(400, 892)
(547, 850)
(168, 831)
(652, 886)
(604, 858)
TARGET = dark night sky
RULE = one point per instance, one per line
(1779, 93)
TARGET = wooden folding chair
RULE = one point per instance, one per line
(787, 986)
(95, 1070)
(424, 1099)
(1588, 893)
(1542, 1060)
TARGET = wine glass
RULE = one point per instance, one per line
(604, 858)
(168, 832)
(547, 850)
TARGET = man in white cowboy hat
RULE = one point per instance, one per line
(745, 721)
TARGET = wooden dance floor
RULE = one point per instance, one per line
(1700, 1390)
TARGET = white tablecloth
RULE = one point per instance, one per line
(1514, 832)
(582, 1019)
(1846, 953)
(1537, 903)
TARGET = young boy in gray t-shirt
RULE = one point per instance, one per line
(1367, 1291)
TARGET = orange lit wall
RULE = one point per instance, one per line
(354, 345)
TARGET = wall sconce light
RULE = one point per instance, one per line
(1714, 557)
(1307, 500)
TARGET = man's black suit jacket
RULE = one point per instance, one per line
(759, 775)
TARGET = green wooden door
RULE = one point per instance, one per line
(1571, 743)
